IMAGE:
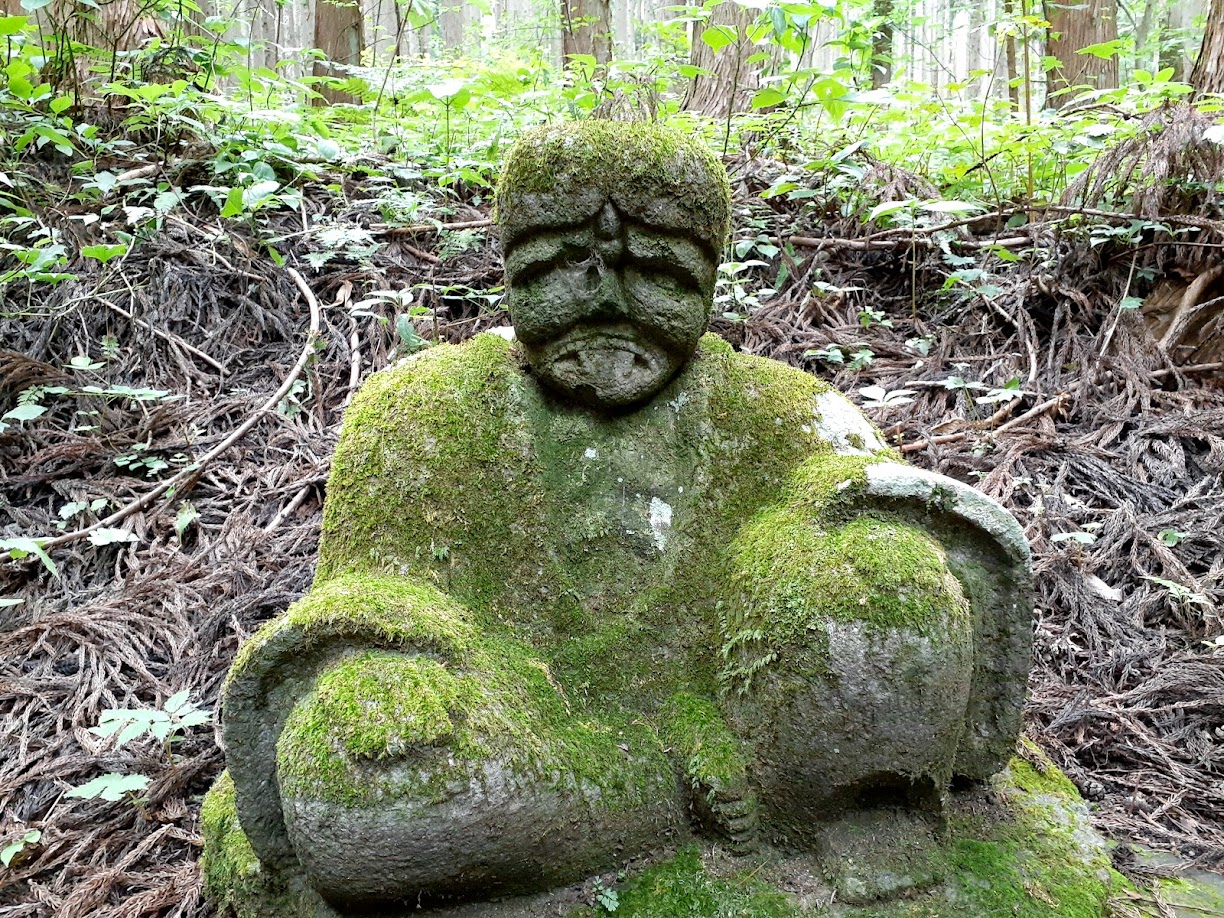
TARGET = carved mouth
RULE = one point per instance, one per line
(604, 352)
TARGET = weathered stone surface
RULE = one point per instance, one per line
(1021, 847)
(610, 585)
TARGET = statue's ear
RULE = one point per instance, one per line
(988, 553)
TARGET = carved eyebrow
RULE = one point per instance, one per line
(542, 250)
(685, 259)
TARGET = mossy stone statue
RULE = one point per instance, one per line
(609, 588)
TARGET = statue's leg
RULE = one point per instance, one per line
(851, 662)
(407, 778)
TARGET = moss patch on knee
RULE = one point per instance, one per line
(366, 732)
(796, 565)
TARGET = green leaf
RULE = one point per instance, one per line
(34, 5)
(104, 253)
(20, 548)
(1170, 537)
(26, 412)
(717, 37)
(951, 207)
(1105, 49)
(767, 98)
(12, 25)
(110, 787)
(176, 701)
(233, 203)
(328, 149)
(7, 602)
(187, 514)
(1130, 302)
(12, 850)
(889, 207)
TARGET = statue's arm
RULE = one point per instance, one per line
(989, 555)
(278, 666)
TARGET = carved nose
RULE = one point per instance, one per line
(607, 292)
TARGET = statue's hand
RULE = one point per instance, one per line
(715, 766)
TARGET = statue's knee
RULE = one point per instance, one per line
(406, 779)
(856, 664)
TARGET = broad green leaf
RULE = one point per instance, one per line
(447, 89)
(1104, 50)
(27, 412)
(12, 850)
(34, 5)
(103, 253)
(6, 602)
(187, 514)
(12, 25)
(233, 203)
(889, 207)
(1130, 302)
(767, 98)
(176, 701)
(20, 548)
(719, 36)
(951, 207)
(110, 787)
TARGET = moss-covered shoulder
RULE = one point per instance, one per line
(432, 475)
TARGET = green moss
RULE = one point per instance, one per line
(228, 860)
(367, 730)
(232, 873)
(795, 567)
(562, 174)
(390, 610)
(682, 888)
(696, 732)
(1034, 858)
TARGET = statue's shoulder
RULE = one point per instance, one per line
(445, 382)
(767, 398)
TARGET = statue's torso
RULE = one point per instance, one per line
(594, 536)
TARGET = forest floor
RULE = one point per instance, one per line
(1108, 447)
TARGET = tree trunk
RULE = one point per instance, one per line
(1208, 75)
(452, 23)
(338, 34)
(882, 44)
(586, 27)
(1073, 28)
(732, 80)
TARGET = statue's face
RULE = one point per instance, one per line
(607, 313)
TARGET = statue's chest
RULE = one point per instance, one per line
(623, 491)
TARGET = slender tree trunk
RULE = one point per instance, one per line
(1072, 28)
(1013, 69)
(882, 44)
(733, 80)
(1179, 21)
(452, 24)
(1208, 75)
(338, 34)
(586, 27)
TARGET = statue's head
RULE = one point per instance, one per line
(611, 234)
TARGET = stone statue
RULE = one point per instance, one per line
(612, 584)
